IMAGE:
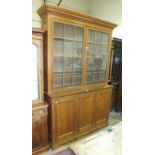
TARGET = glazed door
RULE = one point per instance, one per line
(102, 107)
(67, 55)
(85, 111)
(64, 118)
(97, 56)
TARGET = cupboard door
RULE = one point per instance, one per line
(64, 118)
(36, 136)
(68, 52)
(97, 56)
(39, 128)
(102, 107)
(85, 111)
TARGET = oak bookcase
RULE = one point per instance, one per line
(76, 67)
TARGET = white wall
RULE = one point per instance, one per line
(110, 10)
(77, 5)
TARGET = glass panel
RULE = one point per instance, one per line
(58, 47)
(102, 75)
(77, 53)
(98, 37)
(96, 56)
(77, 65)
(78, 45)
(67, 80)
(91, 36)
(68, 48)
(69, 32)
(117, 62)
(76, 79)
(90, 66)
(78, 34)
(58, 64)
(91, 48)
(95, 77)
(57, 80)
(89, 77)
(77, 61)
(103, 66)
(59, 30)
(90, 57)
(105, 38)
(67, 64)
(68, 51)
(35, 94)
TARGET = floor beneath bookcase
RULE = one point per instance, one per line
(105, 141)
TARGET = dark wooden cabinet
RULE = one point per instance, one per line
(85, 114)
(39, 108)
(115, 78)
(116, 61)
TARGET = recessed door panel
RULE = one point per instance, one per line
(85, 111)
(64, 113)
(102, 107)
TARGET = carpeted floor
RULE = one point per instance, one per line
(106, 141)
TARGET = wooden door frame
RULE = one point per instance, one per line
(37, 41)
(50, 54)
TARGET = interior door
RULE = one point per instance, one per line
(64, 118)
(85, 111)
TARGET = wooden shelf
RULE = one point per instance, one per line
(89, 42)
(96, 71)
(66, 57)
(62, 73)
(68, 39)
